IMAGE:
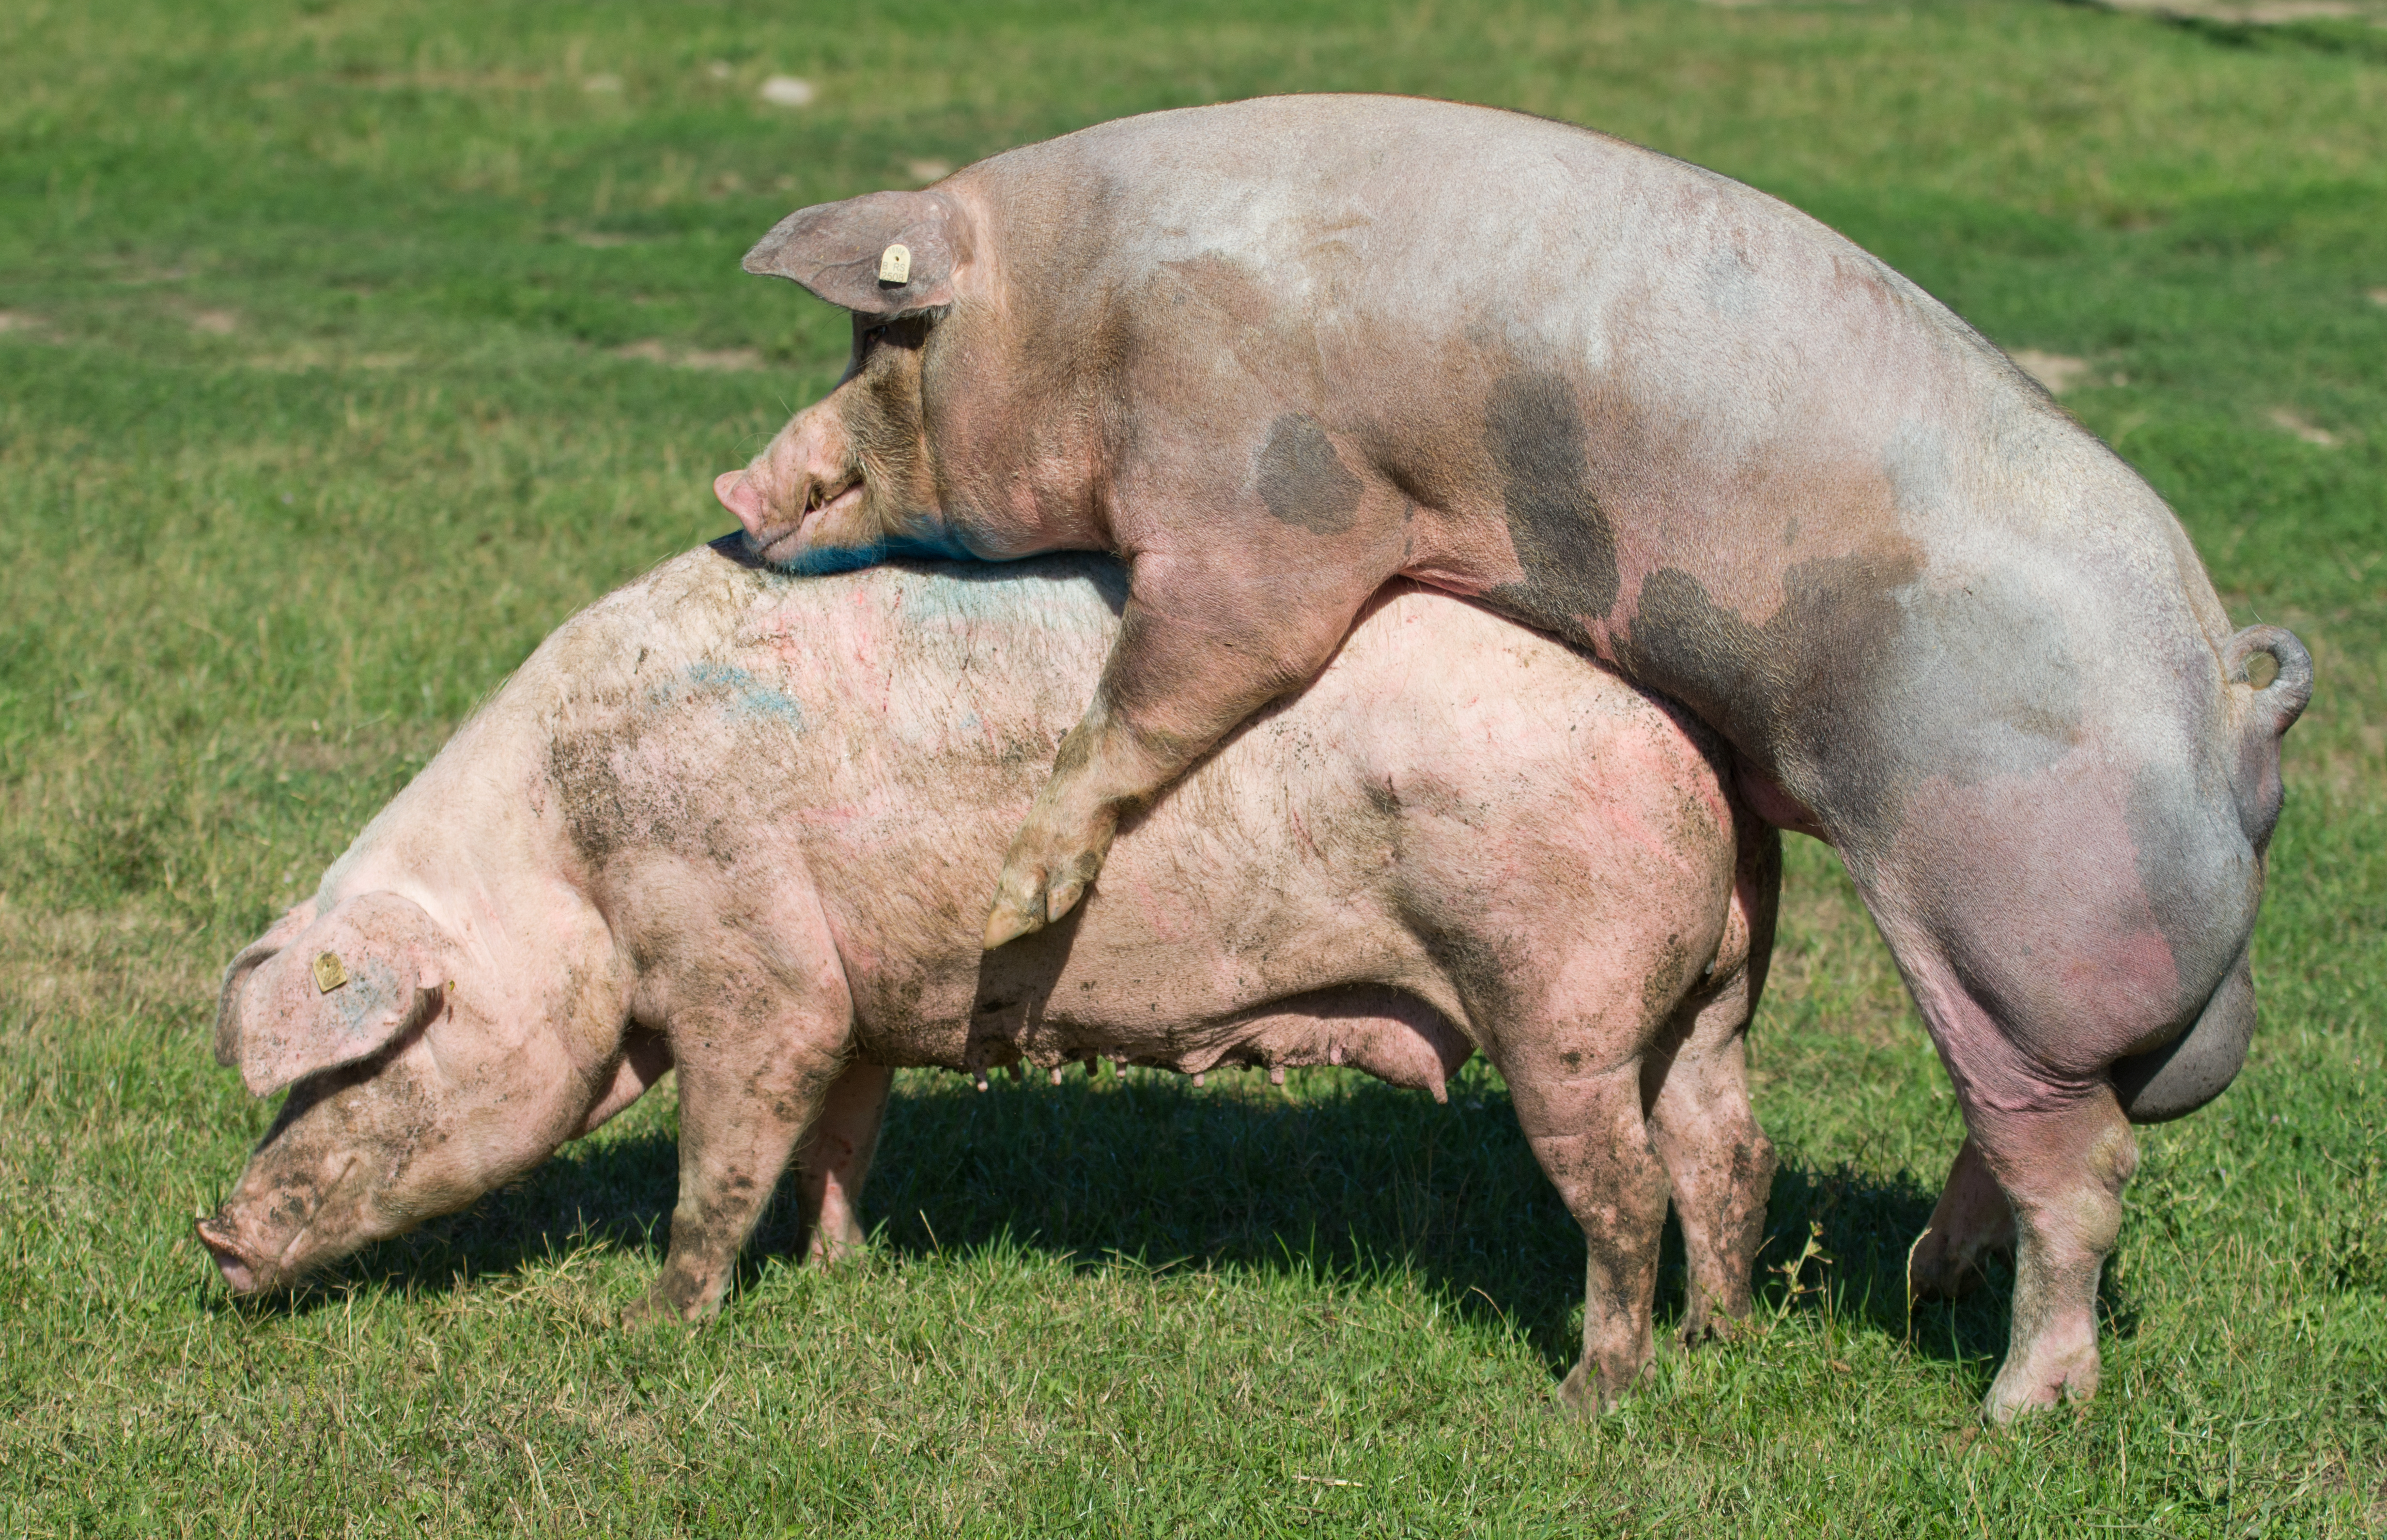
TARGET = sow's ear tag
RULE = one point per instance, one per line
(330, 972)
(895, 264)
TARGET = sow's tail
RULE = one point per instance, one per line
(2197, 1066)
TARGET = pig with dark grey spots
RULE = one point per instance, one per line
(1278, 352)
(740, 825)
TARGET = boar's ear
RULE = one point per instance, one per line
(846, 252)
(340, 990)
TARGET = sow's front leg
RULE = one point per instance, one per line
(741, 1115)
(760, 1050)
(836, 1160)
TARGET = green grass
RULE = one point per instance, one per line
(315, 415)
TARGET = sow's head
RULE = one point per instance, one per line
(849, 479)
(409, 1096)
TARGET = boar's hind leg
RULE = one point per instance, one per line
(741, 1115)
(2063, 1168)
(2056, 1147)
(1208, 638)
(1971, 1221)
(836, 1160)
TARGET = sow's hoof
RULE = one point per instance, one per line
(1585, 1394)
(658, 1306)
(1722, 1327)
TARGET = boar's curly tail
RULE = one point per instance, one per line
(2278, 703)
(2273, 709)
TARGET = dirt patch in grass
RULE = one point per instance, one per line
(81, 965)
(2058, 372)
(2261, 13)
(2310, 432)
(718, 360)
(308, 356)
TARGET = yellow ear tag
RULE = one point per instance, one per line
(895, 264)
(329, 972)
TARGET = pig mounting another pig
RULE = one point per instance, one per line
(743, 826)
(1274, 353)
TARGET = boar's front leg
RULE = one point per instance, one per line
(1212, 633)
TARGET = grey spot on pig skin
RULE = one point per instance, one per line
(2197, 1066)
(1903, 679)
(2199, 874)
(1303, 481)
(1534, 432)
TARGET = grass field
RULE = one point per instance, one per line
(348, 346)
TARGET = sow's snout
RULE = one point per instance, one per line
(311, 1188)
(242, 1273)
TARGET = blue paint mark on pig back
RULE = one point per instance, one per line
(744, 693)
(824, 561)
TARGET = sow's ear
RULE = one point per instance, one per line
(886, 254)
(336, 990)
(285, 930)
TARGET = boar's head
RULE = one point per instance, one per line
(411, 1094)
(851, 479)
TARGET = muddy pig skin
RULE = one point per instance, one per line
(1275, 352)
(743, 825)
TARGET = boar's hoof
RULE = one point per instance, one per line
(1010, 920)
(1034, 890)
(2049, 1372)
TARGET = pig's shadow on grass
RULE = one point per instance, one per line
(1347, 1179)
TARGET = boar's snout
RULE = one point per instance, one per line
(738, 493)
(805, 490)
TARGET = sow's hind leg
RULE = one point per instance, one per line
(1696, 1086)
(1569, 1032)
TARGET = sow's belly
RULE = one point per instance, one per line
(1191, 1003)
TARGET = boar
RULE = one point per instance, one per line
(740, 825)
(1274, 353)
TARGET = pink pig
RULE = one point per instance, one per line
(1275, 353)
(743, 824)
